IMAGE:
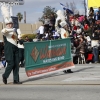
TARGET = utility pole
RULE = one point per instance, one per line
(24, 16)
(85, 8)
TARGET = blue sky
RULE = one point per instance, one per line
(34, 8)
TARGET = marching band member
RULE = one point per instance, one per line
(65, 34)
(62, 28)
(10, 47)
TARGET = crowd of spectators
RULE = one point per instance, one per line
(83, 30)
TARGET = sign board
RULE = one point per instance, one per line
(43, 58)
(15, 22)
(20, 2)
(93, 3)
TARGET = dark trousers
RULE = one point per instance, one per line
(95, 54)
(21, 56)
(12, 57)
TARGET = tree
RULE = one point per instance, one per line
(67, 5)
(72, 6)
(48, 10)
(20, 16)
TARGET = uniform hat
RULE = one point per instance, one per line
(8, 20)
(63, 23)
(6, 14)
(60, 15)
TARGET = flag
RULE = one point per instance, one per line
(65, 8)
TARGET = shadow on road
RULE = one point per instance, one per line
(43, 77)
(55, 74)
(83, 69)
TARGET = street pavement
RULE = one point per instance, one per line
(84, 74)
(83, 84)
(49, 92)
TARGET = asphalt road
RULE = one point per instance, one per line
(50, 92)
(83, 84)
